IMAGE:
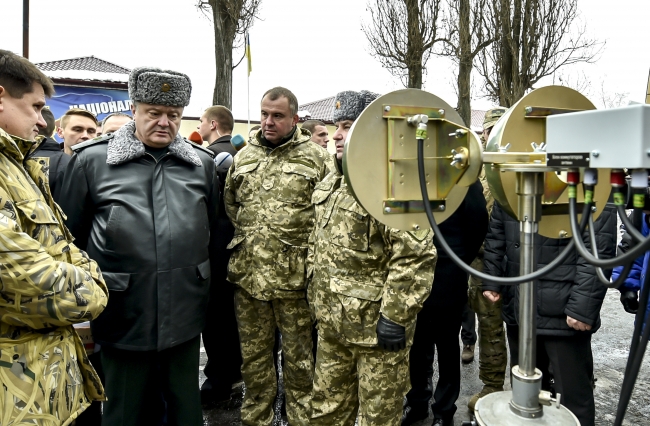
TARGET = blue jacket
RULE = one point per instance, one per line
(636, 276)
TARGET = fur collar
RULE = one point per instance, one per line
(124, 146)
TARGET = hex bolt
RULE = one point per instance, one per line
(593, 209)
(441, 111)
(386, 209)
(528, 109)
(387, 108)
(416, 227)
(564, 234)
(441, 208)
(595, 153)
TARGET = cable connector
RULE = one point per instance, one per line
(639, 179)
(617, 178)
(573, 177)
(591, 177)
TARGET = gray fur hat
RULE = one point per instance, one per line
(350, 104)
(159, 87)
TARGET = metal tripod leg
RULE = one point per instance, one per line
(523, 402)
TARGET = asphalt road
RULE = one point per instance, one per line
(610, 348)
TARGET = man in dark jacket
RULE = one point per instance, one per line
(143, 202)
(438, 323)
(220, 336)
(51, 149)
(568, 305)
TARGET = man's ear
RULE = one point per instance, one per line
(3, 93)
(59, 131)
(296, 119)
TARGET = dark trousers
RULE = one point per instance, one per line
(220, 335)
(439, 329)
(92, 416)
(572, 364)
(468, 330)
(135, 382)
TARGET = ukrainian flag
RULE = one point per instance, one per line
(248, 54)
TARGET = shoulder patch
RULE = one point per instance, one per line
(420, 235)
(200, 148)
(101, 139)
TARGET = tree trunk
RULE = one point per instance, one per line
(223, 41)
(464, 63)
(414, 51)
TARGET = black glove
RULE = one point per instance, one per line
(630, 301)
(390, 336)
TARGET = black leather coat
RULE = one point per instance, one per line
(572, 289)
(148, 225)
(464, 231)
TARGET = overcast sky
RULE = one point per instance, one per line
(314, 47)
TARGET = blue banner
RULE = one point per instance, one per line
(100, 102)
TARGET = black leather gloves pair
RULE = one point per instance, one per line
(390, 336)
(630, 301)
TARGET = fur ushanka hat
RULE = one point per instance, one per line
(349, 104)
(159, 87)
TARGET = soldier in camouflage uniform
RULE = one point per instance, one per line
(268, 199)
(493, 357)
(369, 282)
(46, 283)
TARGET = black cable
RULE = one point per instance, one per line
(629, 256)
(459, 262)
(599, 271)
(630, 227)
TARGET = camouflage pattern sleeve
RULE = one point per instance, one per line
(41, 286)
(410, 274)
(229, 196)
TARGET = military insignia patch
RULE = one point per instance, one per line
(420, 235)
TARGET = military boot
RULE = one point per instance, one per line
(486, 391)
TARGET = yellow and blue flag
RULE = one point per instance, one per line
(248, 53)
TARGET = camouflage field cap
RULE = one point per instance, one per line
(492, 116)
(159, 87)
(350, 104)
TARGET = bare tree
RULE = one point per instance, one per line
(401, 34)
(534, 38)
(231, 19)
(467, 33)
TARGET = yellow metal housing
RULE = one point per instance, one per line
(380, 159)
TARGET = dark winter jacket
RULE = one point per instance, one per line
(464, 231)
(58, 162)
(572, 289)
(225, 229)
(148, 225)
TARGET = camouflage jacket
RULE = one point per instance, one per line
(46, 285)
(268, 199)
(361, 267)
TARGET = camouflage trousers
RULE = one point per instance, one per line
(351, 379)
(493, 357)
(257, 321)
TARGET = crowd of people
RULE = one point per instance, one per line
(132, 227)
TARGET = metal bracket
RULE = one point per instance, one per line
(543, 112)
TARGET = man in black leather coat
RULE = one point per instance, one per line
(143, 202)
(438, 323)
(220, 336)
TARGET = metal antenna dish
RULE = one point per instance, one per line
(523, 128)
(380, 158)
